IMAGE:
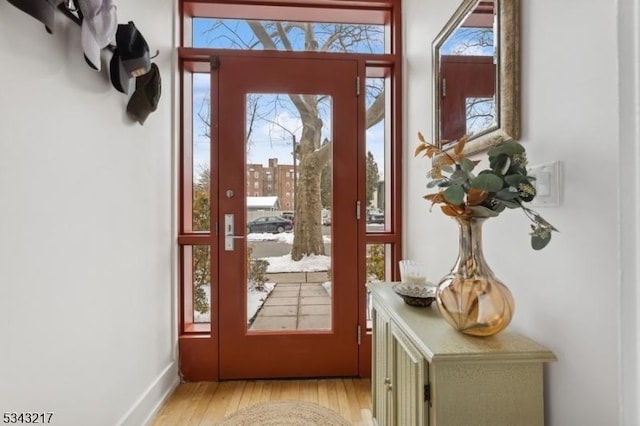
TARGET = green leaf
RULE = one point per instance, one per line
(446, 168)
(433, 183)
(459, 176)
(507, 194)
(510, 148)
(468, 165)
(500, 164)
(496, 163)
(487, 182)
(481, 211)
(454, 194)
(516, 180)
(541, 220)
(538, 242)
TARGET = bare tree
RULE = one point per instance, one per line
(472, 41)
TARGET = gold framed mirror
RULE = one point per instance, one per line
(476, 75)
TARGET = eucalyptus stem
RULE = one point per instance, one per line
(505, 184)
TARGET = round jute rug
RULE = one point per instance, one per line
(285, 413)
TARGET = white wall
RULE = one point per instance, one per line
(569, 295)
(86, 243)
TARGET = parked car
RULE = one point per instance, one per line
(273, 224)
(287, 215)
(375, 215)
(325, 217)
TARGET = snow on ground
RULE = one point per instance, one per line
(311, 263)
(284, 237)
(327, 286)
(255, 299)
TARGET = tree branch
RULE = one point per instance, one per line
(283, 36)
(375, 113)
(262, 35)
(323, 153)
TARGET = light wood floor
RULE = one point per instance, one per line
(205, 403)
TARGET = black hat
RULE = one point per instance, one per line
(147, 95)
(42, 10)
(130, 58)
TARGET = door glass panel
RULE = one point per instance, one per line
(201, 152)
(196, 261)
(288, 210)
(378, 270)
(377, 145)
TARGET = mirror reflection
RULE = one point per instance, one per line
(476, 75)
(468, 76)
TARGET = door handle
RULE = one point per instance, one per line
(229, 231)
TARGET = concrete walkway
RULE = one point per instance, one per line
(298, 302)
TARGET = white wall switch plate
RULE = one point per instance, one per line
(547, 183)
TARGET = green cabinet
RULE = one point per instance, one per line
(426, 373)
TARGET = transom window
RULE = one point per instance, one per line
(247, 34)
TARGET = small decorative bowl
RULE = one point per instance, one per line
(416, 294)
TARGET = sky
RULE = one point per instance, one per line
(455, 44)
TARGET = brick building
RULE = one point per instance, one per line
(274, 179)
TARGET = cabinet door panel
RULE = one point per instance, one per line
(382, 397)
(408, 381)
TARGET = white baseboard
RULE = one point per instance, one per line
(149, 403)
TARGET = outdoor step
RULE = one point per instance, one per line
(317, 277)
(299, 301)
(286, 277)
(297, 277)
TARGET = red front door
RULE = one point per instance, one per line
(287, 127)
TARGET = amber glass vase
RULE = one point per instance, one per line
(470, 297)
